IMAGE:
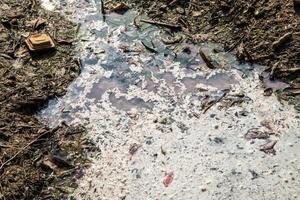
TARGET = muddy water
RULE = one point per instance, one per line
(166, 126)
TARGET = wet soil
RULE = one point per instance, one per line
(32, 155)
(263, 32)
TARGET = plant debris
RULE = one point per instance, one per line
(269, 147)
(134, 148)
(39, 42)
(255, 133)
(119, 8)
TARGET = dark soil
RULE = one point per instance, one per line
(33, 156)
(265, 32)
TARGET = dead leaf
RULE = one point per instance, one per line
(36, 23)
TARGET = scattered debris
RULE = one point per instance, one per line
(39, 42)
(60, 161)
(169, 177)
(268, 92)
(254, 174)
(163, 151)
(103, 11)
(243, 54)
(174, 40)
(134, 148)
(267, 124)
(182, 126)
(269, 147)
(119, 8)
(207, 105)
(163, 24)
(49, 165)
(206, 59)
(255, 133)
(217, 140)
(282, 40)
(152, 50)
(36, 23)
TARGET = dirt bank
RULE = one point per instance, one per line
(263, 32)
(33, 156)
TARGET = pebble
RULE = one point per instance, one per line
(180, 10)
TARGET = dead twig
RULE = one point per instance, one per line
(214, 102)
(173, 2)
(28, 145)
(290, 70)
(282, 40)
(171, 26)
(103, 11)
(207, 61)
(149, 48)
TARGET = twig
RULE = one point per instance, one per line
(173, 2)
(135, 22)
(26, 146)
(149, 48)
(103, 11)
(290, 70)
(282, 40)
(214, 102)
(172, 26)
(207, 61)
(8, 146)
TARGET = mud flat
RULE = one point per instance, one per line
(168, 127)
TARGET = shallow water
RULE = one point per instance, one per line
(181, 117)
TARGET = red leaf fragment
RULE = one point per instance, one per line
(168, 179)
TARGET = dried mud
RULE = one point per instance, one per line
(33, 156)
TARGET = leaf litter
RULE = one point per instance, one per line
(34, 158)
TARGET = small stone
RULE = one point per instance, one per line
(180, 10)
(286, 181)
